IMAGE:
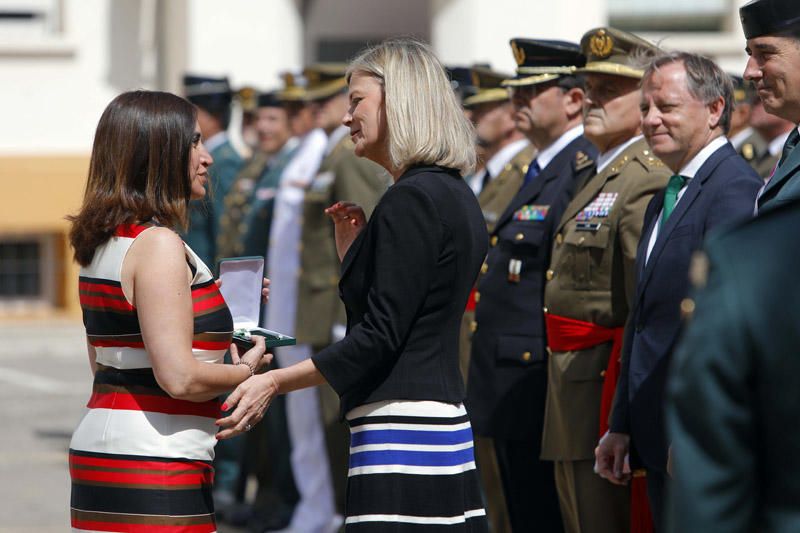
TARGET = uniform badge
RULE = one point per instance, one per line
(582, 160)
(514, 270)
(601, 44)
(519, 53)
(531, 212)
(599, 207)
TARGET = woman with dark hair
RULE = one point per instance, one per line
(406, 277)
(155, 322)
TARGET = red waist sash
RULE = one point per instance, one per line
(568, 334)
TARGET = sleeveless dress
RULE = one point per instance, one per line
(141, 460)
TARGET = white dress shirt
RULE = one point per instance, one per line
(688, 171)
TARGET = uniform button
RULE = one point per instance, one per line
(602, 373)
(477, 297)
(549, 275)
(494, 241)
(484, 268)
(559, 238)
(526, 356)
(544, 310)
(519, 236)
(581, 240)
(687, 307)
(473, 326)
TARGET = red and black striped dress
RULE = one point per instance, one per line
(141, 460)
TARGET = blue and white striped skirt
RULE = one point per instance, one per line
(412, 468)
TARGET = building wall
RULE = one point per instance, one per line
(55, 81)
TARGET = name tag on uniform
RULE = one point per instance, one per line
(322, 181)
(587, 226)
(599, 207)
(531, 212)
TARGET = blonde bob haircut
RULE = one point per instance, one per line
(425, 123)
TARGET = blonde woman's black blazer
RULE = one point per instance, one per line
(405, 283)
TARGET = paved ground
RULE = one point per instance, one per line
(44, 384)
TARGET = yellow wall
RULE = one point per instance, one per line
(38, 192)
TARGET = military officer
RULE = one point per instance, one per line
(592, 277)
(743, 137)
(772, 30)
(506, 154)
(732, 394)
(245, 221)
(342, 176)
(213, 97)
(774, 130)
(507, 371)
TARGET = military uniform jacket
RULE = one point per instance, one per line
(733, 397)
(494, 199)
(342, 176)
(592, 278)
(784, 186)
(204, 214)
(237, 204)
(496, 196)
(507, 374)
(722, 192)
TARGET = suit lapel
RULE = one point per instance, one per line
(782, 173)
(689, 196)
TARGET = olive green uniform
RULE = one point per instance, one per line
(592, 278)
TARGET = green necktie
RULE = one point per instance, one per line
(675, 184)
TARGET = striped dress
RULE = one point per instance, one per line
(141, 460)
(412, 469)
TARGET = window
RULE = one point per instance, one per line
(28, 268)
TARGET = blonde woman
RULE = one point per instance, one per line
(406, 276)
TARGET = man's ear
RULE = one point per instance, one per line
(573, 102)
(716, 108)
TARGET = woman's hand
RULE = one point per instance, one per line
(256, 357)
(249, 402)
(265, 290)
(348, 219)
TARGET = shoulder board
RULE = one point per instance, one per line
(648, 159)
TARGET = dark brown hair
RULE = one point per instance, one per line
(139, 169)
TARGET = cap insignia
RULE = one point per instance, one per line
(601, 44)
(519, 53)
(476, 80)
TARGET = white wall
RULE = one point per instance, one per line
(251, 41)
(51, 97)
(470, 31)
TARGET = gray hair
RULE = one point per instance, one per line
(425, 122)
(706, 81)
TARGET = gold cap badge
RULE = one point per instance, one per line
(601, 44)
(519, 53)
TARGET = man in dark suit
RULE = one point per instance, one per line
(732, 396)
(686, 105)
(772, 29)
(508, 371)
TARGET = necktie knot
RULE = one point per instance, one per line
(533, 171)
(675, 184)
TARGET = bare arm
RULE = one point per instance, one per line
(162, 296)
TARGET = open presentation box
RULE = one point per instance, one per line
(241, 287)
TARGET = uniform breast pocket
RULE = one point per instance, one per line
(528, 235)
(520, 350)
(586, 262)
